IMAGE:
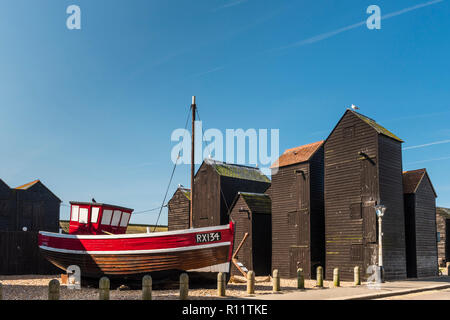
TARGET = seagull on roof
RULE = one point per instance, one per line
(354, 107)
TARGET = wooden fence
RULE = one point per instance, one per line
(19, 254)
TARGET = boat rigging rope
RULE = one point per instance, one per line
(173, 172)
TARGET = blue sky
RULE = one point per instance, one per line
(90, 112)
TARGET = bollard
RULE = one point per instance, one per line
(147, 288)
(250, 282)
(221, 284)
(53, 290)
(357, 276)
(300, 279)
(276, 281)
(336, 280)
(319, 276)
(103, 289)
(1, 291)
(184, 286)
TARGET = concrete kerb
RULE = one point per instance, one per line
(392, 293)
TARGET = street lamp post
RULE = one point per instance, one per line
(380, 209)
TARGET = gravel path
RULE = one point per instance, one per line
(35, 287)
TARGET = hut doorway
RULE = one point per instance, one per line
(299, 258)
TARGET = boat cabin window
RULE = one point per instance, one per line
(116, 218)
(75, 213)
(84, 212)
(94, 214)
(106, 218)
(125, 218)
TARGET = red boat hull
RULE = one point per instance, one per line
(203, 249)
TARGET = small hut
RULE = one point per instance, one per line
(37, 207)
(363, 168)
(178, 209)
(298, 210)
(420, 224)
(31, 208)
(216, 186)
(251, 212)
(443, 235)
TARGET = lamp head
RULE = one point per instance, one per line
(380, 209)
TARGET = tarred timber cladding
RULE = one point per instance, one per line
(207, 198)
(426, 245)
(7, 208)
(216, 186)
(297, 217)
(420, 222)
(178, 210)
(443, 227)
(37, 208)
(251, 213)
(362, 168)
(391, 196)
(241, 215)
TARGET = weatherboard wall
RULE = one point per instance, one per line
(297, 217)
(214, 195)
(362, 168)
(255, 253)
(421, 231)
(178, 211)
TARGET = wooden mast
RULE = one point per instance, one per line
(193, 108)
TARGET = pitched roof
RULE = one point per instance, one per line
(257, 202)
(186, 192)
(3, 184)
(27, 185)
(297, 155)
(33, 183)
(444, 212)
(237, 171)
(412, 180)
(380, 129)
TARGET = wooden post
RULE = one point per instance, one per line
(221, 284)
(53, 290)
(336, 280)
(184, 286)
(319, 276)
(300, 279)
(276, 281)
(357, 276)
(250, 282)
(103, 289)
(147, 288)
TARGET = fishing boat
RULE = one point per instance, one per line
(98, 244)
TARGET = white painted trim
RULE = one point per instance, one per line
(204, 246)
(135, 235)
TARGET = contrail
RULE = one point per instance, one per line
(330, 34)
(428, 160)
(231, 4)
(427, 144)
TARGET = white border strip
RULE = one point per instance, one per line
(204, 246)
(135, 235)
